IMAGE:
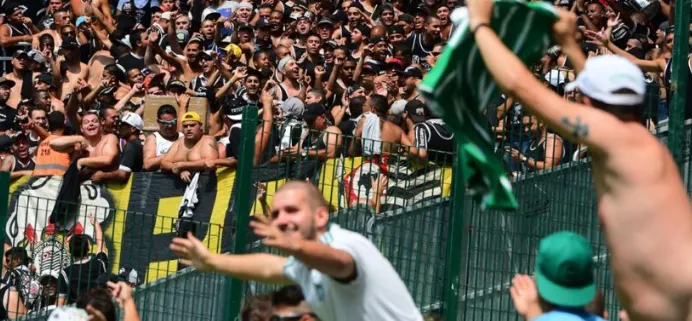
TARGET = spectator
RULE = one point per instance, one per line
(38, 118)
(71, 68)
(432, 139)
(289, 303)
(86, 268)
(545, 149)
(324, 139)
(132, 158)
(159, 143)
(7, 113)
(191, 153)
(103, 148)
(19, 163)
(257, 308)
(15, 34)
(49, 161)
(557, 295)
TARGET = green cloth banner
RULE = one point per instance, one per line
(460, 87)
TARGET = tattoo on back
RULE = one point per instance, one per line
(577, 128)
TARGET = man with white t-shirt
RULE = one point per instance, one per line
(341, 273)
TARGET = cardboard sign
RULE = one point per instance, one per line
(152, 104)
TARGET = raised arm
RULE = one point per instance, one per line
(98, 233)
(262, 267)
(593, 127)
(67, 144)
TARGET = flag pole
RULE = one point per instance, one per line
(455, 230)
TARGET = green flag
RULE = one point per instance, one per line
(460, 87)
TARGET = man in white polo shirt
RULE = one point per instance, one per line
(341, 273)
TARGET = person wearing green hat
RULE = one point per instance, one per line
(564, 281)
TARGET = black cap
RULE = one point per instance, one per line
(411, 71)
(20, 53)
(175, 83)
(45, 78)
(330, 43)
(395, 29)
(325, 21)
(370, 67)
(7, 82)
(375, 40)
(246, 27)
(69, 42)
(312, 111)
(5, 144)
(263, 23)
(417, 110)
(420, 11)
(20, 135)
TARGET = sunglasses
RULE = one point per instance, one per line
(168, 122)
(436, 53)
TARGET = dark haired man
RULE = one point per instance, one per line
(157, 145)
(135, 58)
(651, 284)
(81, 275)
(132, 158)
(71, 68)
(289, 303)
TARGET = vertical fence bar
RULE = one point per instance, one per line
(455, 230)
(679, 84)
(4, 203)
(242, 205)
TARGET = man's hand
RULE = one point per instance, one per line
(525, 296)
(192, 252)
(480, 12)
(182, 99)
(274, 237)
(121, 292)
(565, 28)
(96, 177)
(92, 219)
(320, 71)
(210, 164)
(186, 176)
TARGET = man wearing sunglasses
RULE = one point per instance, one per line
(158, 144)
(343, 275)
(288, 304)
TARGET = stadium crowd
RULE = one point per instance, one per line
(330, 78)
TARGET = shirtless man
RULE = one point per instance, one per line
(20, 65)
(76, 69)
(97, 63)
(190, 64)
(101, 149)
(61, 18)
(391, 135)
(193, 151)
(642, 205)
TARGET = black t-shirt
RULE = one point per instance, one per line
(129, 61)
(133, 156)
(80, 277)
(419, 49)
(7, 116)
(435, 137)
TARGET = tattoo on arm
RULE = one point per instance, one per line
(576, 128)
(214, 146)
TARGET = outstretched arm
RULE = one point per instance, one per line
(593, 127)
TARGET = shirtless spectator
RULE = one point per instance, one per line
(73, 68)
(109, 118)
(97, 64)
(191, 153)
(132, 158)
(101, 149)
(61, 18)
(189, 63)
(160, 142)
(7, 113)
(20, 65)
(391, 135)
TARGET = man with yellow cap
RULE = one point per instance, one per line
(190, 153)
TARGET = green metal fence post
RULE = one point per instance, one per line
(242, 205)
(454, 239)
(676, 120)
(4, 203)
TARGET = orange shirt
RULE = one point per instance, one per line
(49, 161)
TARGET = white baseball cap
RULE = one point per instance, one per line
(604, 75)
(167, 15)
(133, 120)
(210, 13)
(398, 107)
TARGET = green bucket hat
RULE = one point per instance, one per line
(564, 270)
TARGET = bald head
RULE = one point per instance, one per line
(311, 193)
(378, 31)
